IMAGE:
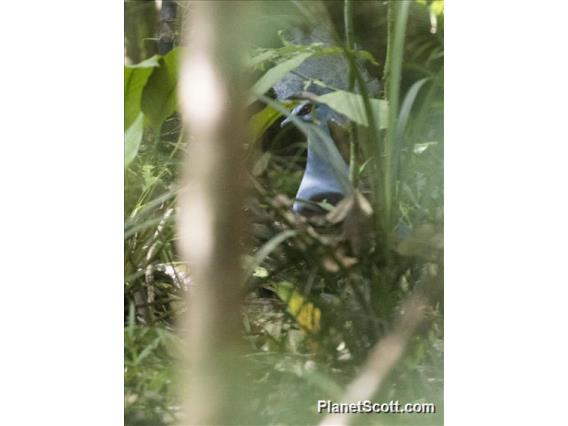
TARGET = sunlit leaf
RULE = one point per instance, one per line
(437, 7)
(135, 78)
(352, 106)
(260, 272)
(262, 120)
(159, 99)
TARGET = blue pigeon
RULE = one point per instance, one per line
(321, 180)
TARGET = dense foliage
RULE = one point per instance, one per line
(319, 292)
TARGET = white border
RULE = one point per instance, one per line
(61, 307)
(506, 212)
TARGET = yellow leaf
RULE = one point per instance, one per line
(306, 314)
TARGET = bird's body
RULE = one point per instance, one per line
(322, 181)
(326, 176)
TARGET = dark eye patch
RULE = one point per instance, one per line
(305, 109)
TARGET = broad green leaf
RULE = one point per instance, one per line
(276, 73)
(159, 99)
(135, 78)
(132, 139)
(262, 120)
(351, 105)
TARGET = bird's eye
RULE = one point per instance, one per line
(306, 109)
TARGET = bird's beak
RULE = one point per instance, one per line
(286, 121)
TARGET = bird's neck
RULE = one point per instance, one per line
(319, 164)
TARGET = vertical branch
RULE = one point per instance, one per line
(168, 14)
(397, 17)
(349, 41)
(209, 222)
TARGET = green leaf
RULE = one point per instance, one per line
(147, 63)
(132, 139)
(135, 78)
(275, 74)
(368, 56)
(262, 120)
(407, 104)
(159, 99)
(261, 58)
(351, 105)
